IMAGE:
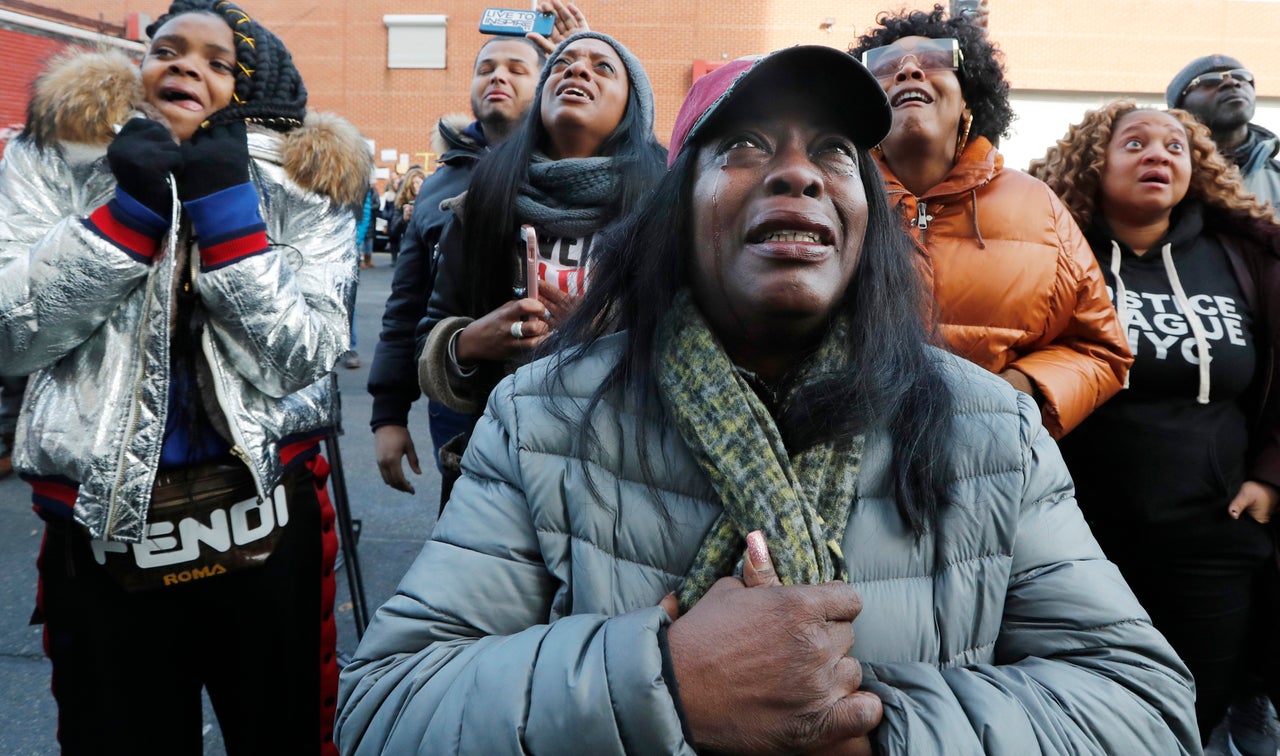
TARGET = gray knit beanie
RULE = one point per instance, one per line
(1173, 95)
(635, 72)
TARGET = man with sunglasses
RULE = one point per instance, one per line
(1218, 91)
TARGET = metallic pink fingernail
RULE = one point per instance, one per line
(758, 550)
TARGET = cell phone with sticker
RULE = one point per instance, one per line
(512, 22)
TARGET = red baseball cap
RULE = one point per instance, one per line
(834, 78)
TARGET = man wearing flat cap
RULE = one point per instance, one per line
(1218, 91)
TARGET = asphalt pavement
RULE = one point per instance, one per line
(393, 527)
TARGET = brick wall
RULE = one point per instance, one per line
(23, 58)
(1133, 46)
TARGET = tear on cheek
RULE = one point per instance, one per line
(843, 169)
(715, 209)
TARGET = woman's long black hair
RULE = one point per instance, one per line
(490, 225)
(892, 379)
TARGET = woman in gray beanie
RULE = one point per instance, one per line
(585, 154)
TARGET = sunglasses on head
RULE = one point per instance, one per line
(929, 55)
(1215, 78)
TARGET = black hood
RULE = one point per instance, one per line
(1185, 225)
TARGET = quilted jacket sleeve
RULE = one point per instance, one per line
(1087, 357)
(61, 274)
(281, 313)
(1078, 666)
(466, 657)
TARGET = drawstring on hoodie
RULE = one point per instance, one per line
(1202, 343)
(1179, 296)
(1122, 308)
(973, 198)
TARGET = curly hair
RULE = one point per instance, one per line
(1073, 167)
(268, 87)
(982, 82)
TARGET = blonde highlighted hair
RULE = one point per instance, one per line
(1073, 167)
(407, 193)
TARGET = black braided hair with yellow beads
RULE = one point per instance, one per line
(269, 89)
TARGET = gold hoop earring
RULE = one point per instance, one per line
(963, 140)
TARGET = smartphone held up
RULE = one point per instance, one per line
(527, 277)
(512, 22)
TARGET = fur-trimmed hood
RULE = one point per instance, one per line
(454, 122)
(80, 97)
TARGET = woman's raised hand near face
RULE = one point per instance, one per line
(140, 157)
(496, 337)
(764, 668)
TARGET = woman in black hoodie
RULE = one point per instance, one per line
(1178, 474)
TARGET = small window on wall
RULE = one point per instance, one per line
(415, 41)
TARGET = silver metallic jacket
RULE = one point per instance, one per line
(93, 326)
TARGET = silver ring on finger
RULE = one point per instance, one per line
(517, 329)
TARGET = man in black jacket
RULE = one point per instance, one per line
(1219, 91)
(502, 88)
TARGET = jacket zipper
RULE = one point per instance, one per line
(238, 447)
(922, 218)
(113, 503)
(112, 506)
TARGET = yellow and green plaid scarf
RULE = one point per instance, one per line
(801, 503)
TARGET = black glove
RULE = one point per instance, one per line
(215, 159)
(140, 156)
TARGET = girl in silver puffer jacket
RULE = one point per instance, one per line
(176, 273)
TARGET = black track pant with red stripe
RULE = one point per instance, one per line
(128, 667)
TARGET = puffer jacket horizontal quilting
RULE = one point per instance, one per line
(523, 551)
(1015, 284)
(92, 324)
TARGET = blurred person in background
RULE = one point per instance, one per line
(402, 210)
(364, 214)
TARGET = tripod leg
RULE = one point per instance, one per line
(347, 535)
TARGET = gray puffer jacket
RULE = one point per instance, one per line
(93, 324)
(529, 623)
(1261, 171)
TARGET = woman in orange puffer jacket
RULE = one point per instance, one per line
(1016, 288)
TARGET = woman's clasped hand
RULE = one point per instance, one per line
(783, 679)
